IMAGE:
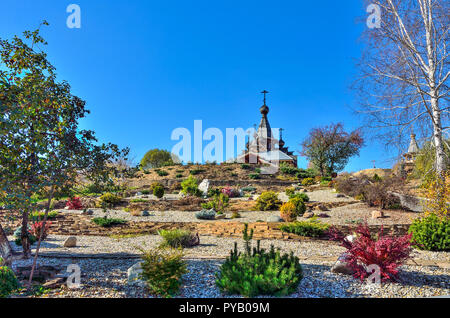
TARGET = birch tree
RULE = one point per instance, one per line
(403, 85)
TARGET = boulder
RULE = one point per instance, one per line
(87, 212)
(204, 186)
(377, 214)
(220, 216)
(322, 207)
(71, 241)
(340, 195)
(274, 218)
(323, 215)
(133, 274)
(341, 266)
(308, 215)
(145, 213)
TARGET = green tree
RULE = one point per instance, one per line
(41, 147)
(329, 148)
(156, 158)
(424, 165)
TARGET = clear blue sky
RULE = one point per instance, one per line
(148, 67)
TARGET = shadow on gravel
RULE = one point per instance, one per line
(419, 279)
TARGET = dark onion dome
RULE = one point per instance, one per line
(264, 109)
(281, 143)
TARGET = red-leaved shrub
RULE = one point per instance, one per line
(36, 229)
(387, 252)
(74, 204)
(230, 192)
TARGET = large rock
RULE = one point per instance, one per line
(377, 214)
(134, 273)
(308, 215)
(204, 186)
(341, 266)
(71, 242)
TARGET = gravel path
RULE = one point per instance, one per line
(108, 279)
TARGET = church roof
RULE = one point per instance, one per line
(413, 147)
(274, 155)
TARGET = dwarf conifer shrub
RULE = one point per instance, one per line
(206, 214)
(190, 186)
(300, 206)
(431, 233)
(162, 270)
(288, 212)
(110, 199)
(310, 228)
(308, 181)
(108, 222)
(179, 238)
(158, 191)
(268, 201)
(8, 281)
(257, 272)
(303, 196)
(218, 203)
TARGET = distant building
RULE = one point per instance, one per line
(263, 147)
(409, 158)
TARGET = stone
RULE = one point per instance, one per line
(377, 214)
(87, 212)
(138, 194)
(322, 207)
(274, 218)
(308, 215)
(341, 266)
(350, 238)
(71, 241)
(145, 213)
(323, 215)
(220, 216)
(340, 195)
(54, 283)
(204, 186)
(133, 274)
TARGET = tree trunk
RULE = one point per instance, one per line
(437, 139)
(44, 222)
(25, 236)
(6, 252)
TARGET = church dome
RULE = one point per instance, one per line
(281, 143)
(264, 109)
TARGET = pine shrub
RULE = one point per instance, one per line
(431, 233)
(268, 201)
(162, 270)
(257, 272)
(310, 228)
(8, 281)
(179, 238)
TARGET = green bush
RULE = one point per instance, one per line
(302, 196)
(195, 171)
(110, 199)
(161, 173)
(306, 173)
(162, 269)
(299, 204)
(206, 214)
(145, 192)
(257, 272)
(18, 236)
(268, 201)
(310, 228)
(213, 192)
(158, 191)
(39, 216)
(179, 238)
(190, 186)
(286, 168)
(179, 175)
(245, 166)
(107, 222)
(218, 203)
(290, 191)
(431, 233)
(8, 281)
(308, 181)
(254, 176)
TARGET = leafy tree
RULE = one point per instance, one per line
(41, 146)
(156, 158)
(424, 165)
(329, 148)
